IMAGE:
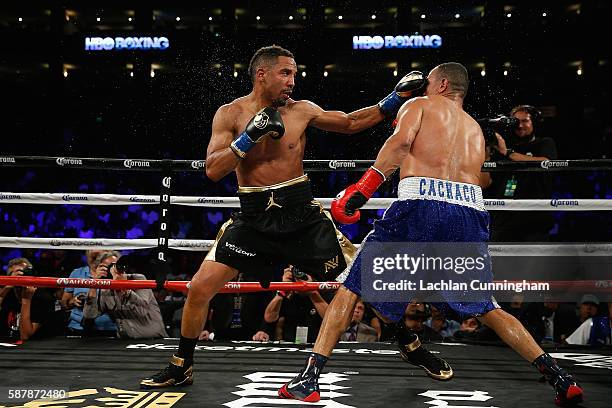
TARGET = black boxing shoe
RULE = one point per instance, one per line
(173, 375)
(411, 351)
(568, 392)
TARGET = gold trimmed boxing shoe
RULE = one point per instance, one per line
(173, 375)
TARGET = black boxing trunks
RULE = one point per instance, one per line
(279, 225)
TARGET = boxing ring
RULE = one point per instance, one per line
(103, 372)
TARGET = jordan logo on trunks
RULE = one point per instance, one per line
(272, 203)
(331, 264)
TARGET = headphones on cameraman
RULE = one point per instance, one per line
(536, 115)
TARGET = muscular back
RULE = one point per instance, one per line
(448, 145)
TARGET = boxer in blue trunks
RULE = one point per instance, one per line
(439, 150)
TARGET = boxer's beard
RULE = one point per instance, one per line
(278, 102)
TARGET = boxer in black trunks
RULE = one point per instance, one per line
(262, 137)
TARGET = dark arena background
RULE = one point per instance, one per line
(106, 116)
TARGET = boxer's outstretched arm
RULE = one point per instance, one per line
(220, 159)
(398, 144)
(340, 122)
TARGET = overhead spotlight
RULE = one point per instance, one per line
(152, 73)
(509, 15)
(325, 74)
(98, 19)
(130, 19)
(257, 18)
(483, 72)
(579, 71)
(20, 19)
(395, 72)
(457, 15)
(219, 73)
(423, 16)
(65, 73)
(505, 72)
(235, 74)
(132, 74)
(178, 18)
(339, 17)
(373, 16)
(290, 17)
(303, 74)
(210, 18)
(544, 14)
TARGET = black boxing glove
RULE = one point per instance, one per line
(411, 85)
(266, 122)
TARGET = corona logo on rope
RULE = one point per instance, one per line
(549, 164)
(142, 200)
(341, 164)
(204, 200)
(489, 165)
(7, 160)
(136, 163)
(10, 197)
(495, 203)
(198, 164)
(68, 197)
(62, 161)
(567, 203)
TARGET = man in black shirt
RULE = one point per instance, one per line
(524, 145)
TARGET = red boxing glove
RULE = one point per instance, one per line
(345, 207)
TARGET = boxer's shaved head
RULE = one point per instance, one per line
(265, 57)
(456, 74)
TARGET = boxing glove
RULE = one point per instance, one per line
(411, 85)
(266, 122)
(345, 207)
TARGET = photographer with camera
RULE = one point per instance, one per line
(28, 312)
(521, 144)
(293, 310)
(135, 312)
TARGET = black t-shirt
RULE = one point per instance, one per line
(44, 310)
(299, 311)
(523, 225)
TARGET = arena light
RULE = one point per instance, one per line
(130, 19)
(579, 71)
(257, 18)
(373, 17)
(339, 17)
(505, 72)
(509, 15)
(290, 17)
(178, 18)
(457, 15)
(325, 74)
(395, 72)
(20, 19)
(65, 73)
(209, 18)
(98, 19)
(152, 73)
(303, 74)
(544, 14)
(131, 74)
(483, 72)
(423, 16)
(235, 74)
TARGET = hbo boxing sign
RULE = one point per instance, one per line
(366, 42)
(126, 43)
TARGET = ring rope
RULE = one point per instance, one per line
(309, 165)
(233, 202)
(243, 287)
(587, 249)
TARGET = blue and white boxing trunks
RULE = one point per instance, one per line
(430, 210)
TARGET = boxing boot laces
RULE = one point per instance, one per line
(413, 352)
(173, 375)
(305, 386)
(568, 392)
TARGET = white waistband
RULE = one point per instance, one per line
(453, 192)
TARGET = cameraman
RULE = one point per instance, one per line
(28, 312)
(135, 312)
(292, 309)
(522, 145)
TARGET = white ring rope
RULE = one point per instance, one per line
(233, 202)
(589, 249)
